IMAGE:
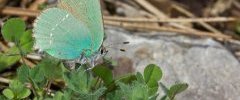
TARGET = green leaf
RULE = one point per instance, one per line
(78, 81)
(3, 97)
(152, 73)
(36, 74)
(13, 29)
(58, 96)
(19, 90)
(152, 87)
(115, 95)
(165, 97)
(93, 96)
(152, 91)
(37, 79)
(13, 54)
(8, 93)
(104, 73)
(127, 79)
(134, 91)
(25, 93)
(51, 68)
(16, 86)
(8, 60)
(26, 41)
(164, 88)
(23, 73)
(79, 86)
(154, 97)
(175, 89)
(67, 94)
(140, 77)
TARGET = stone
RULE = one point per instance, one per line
(211, 71)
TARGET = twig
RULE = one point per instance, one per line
(160, 14)
(3, 46)
(189, 14)
(220, 6)
(238, 53)
(186, 31)
(28, 62)
(236, 4)
(151, 8)
(5, 80)
(34, 13)
(34, 6)
(175, 20)
(19, 12)
(168, 29)
(142, 12)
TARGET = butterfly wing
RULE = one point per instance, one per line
(88, 12)
(61, 35)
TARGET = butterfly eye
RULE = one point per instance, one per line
(102, 51)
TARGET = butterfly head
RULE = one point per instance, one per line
(103, 50)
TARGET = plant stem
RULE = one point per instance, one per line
(95, 86)
(20, 51)
(34, 88)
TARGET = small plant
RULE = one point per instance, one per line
(50, 80)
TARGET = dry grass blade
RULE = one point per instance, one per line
(160, 14)
(167, 29)
(34, 6)
(19, 12)
(8, 10)
(175, 20)
(4, 80)
(189, 14)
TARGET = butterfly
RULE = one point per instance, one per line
(72, 30)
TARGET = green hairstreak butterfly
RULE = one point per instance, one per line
(72, 30)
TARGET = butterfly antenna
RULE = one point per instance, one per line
(125, 43)
(120, 49)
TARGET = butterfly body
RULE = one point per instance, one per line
(73, 30)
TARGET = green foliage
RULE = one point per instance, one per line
(16, 90)
(175, 89)
(8, 93)
(6, 60)
(51, 68)
(23, 73)
(80, 84)
(152, 74)
(26, 41)
(134, 91)
(78, 81)
(104, 73)
(13, 29)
